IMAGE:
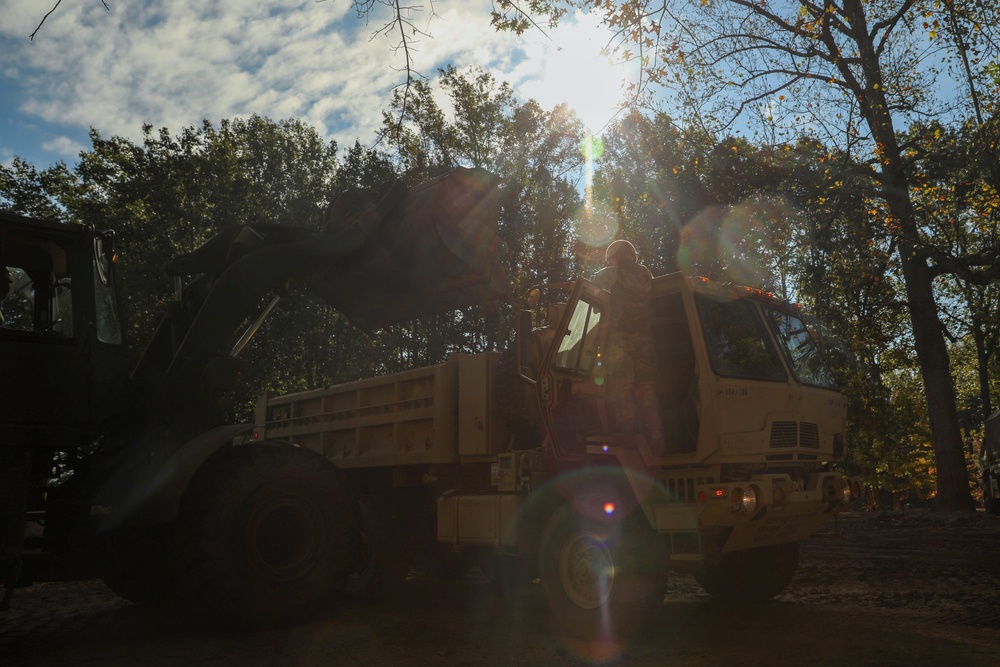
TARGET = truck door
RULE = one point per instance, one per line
(572, 382)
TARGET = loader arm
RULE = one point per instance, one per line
(407, 253)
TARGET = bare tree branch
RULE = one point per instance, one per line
(49, 13)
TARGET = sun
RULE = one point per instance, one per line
(567, 64)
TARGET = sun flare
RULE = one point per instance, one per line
(569, 66)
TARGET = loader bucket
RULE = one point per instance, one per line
(434, 251)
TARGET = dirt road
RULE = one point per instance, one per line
(911, 589)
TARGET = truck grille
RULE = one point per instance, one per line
(794, 434)
(784, 434)
(809, 435)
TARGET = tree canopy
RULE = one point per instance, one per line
(856, 75)
(891, 243)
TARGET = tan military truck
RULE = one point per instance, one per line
(521, 458)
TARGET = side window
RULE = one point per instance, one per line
(17, 299)
(801, 349)
(738, 345)
(578, 348)
(37, 288)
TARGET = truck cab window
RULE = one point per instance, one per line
(578, 348)
(800, 349)
(39, 292)
(738, 344)
(16, 303)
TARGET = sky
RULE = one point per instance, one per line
(173, 63)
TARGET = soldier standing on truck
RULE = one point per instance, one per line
(631, 357)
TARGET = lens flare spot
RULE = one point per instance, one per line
(609, 508)
(592, 148)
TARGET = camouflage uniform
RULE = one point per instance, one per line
(631, 355)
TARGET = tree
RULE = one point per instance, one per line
(854, 70)
(170, 194)
(710, 207)
(534, 152)
(958, 202)
(37, 194)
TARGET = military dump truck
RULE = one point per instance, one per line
(989, 464)
(133, 470)
(522, 463)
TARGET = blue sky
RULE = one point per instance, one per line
(174, 63)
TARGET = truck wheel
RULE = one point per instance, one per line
(135, 564)
(266, 534)
(600, 578)
(384, 555)
(751, 575)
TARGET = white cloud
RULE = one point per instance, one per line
(64, 146)
(174, 63)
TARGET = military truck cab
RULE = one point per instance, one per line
(735, 425)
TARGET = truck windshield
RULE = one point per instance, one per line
(738, 344)
(800, 348)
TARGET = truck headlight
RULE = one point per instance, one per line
(750, 496)
(744, 499)
(736, 499)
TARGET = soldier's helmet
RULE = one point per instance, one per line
(620, 252)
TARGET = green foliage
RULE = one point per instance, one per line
(168, 194)
(38, 194)
(708, 207)
(856, 72)
(534, 152)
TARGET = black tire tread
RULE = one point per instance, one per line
(209, 577)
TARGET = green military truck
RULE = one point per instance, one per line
(518, 462)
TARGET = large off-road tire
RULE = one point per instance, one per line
(266, 534)
(600, 576)
(136, 564)
(751, 575)
(385, 552)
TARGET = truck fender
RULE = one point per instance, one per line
(172, 478)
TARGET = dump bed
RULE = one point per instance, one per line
(433, 415)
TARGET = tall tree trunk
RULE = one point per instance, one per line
(983, 366)
(928, 332)
(935, 368)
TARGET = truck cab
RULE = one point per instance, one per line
(61, 344)
(737, 430)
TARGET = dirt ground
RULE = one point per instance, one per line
(887, 589)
